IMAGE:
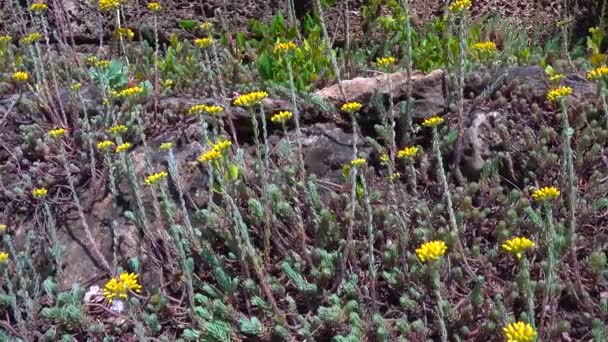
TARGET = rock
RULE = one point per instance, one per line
(480, 139)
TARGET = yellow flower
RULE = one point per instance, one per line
(351, 107)
(39, 192)
(250, 99)
(5, 39)
(3, 257)
(206, 26)
(547, 193)
(384, 158)
(3, 227)
(166, 146)
(213, 110)
(196, 109)
(281, 117)
(284, 47)
(487, 46)
(131, 92)
(38, 7)
(123, 147)
(57, 133)
(108, 5)
(154, 6)
(20, 76)
(559, 93)
(125, 33)
(155, 178)
(92, 60)
(222, 145)
(408, 152)
(358, 162)
(433, 122)
(210, 155)
(31, 38)
(120, 286)
(203, 43)
(600, 73)
(519, 332)
(431, 251)
(75, 86)
(117, 130)
(517, 245)
(102, 64)
(459, 6)
(105, 145)
(394, 176)
(385, 62)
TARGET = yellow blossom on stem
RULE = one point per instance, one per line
(212, 110)
(117, 130)
(519, 332)
(600, 73)
(222, 145)
(166, 146)
(394, 176)
(118, 287)
(125, 33)
(5, 39)
(39, 7)
(459, 6)
(154, 7)
(517, 246)
(556, 78)
(131, 92)
(206, 26)
(102, 64)
(105, 145)
(431, 251)
(39, 192)
(385, 62)
(20, 76)
(196, 109)
(156, 178)
(31, 38)
(358, 162)
(203, 43)
(3, 257)
(408, 152)
(209, 156)
(547, 193)
(351, 107)
(433, 122)
(284, 47)
(108, 5)
(281, 117)
(250, 99)
(123, 147)
(75, 86)
(3, 227)
(384, 158)
(559, 93)
(57, 133)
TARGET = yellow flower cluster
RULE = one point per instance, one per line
(39, 192)
(38, 7)
(431, 251)
(547, 193)
(281, 117)
(284, 47)
(108, 5)
(105, 145)
(130, 92)
(5, 39)
(3, 227)
(201, 108)
(559, 93)
(102, 64)
(600, 73)
(433, 122)
(75, 86)
(519, 332)
(166, 146)
(206, 26)
(517, 246)
(250, 99)
(57, 133)
(20, 76)
(123, 147)
(359, 162)
(155, 178)
(459, 6)
(3, 257)
(119, 286)
(385, 62)
(31, 38)
(556, 78)
(384, 158)
(154, 6)
(408, 152)
(117, 130)
(351, 107)
(203, 43)
(125, 33)
(216, 152)
(487, 46)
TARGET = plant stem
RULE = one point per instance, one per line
(405, 115)
(551, 252)
(524, 271)
(370, 242)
